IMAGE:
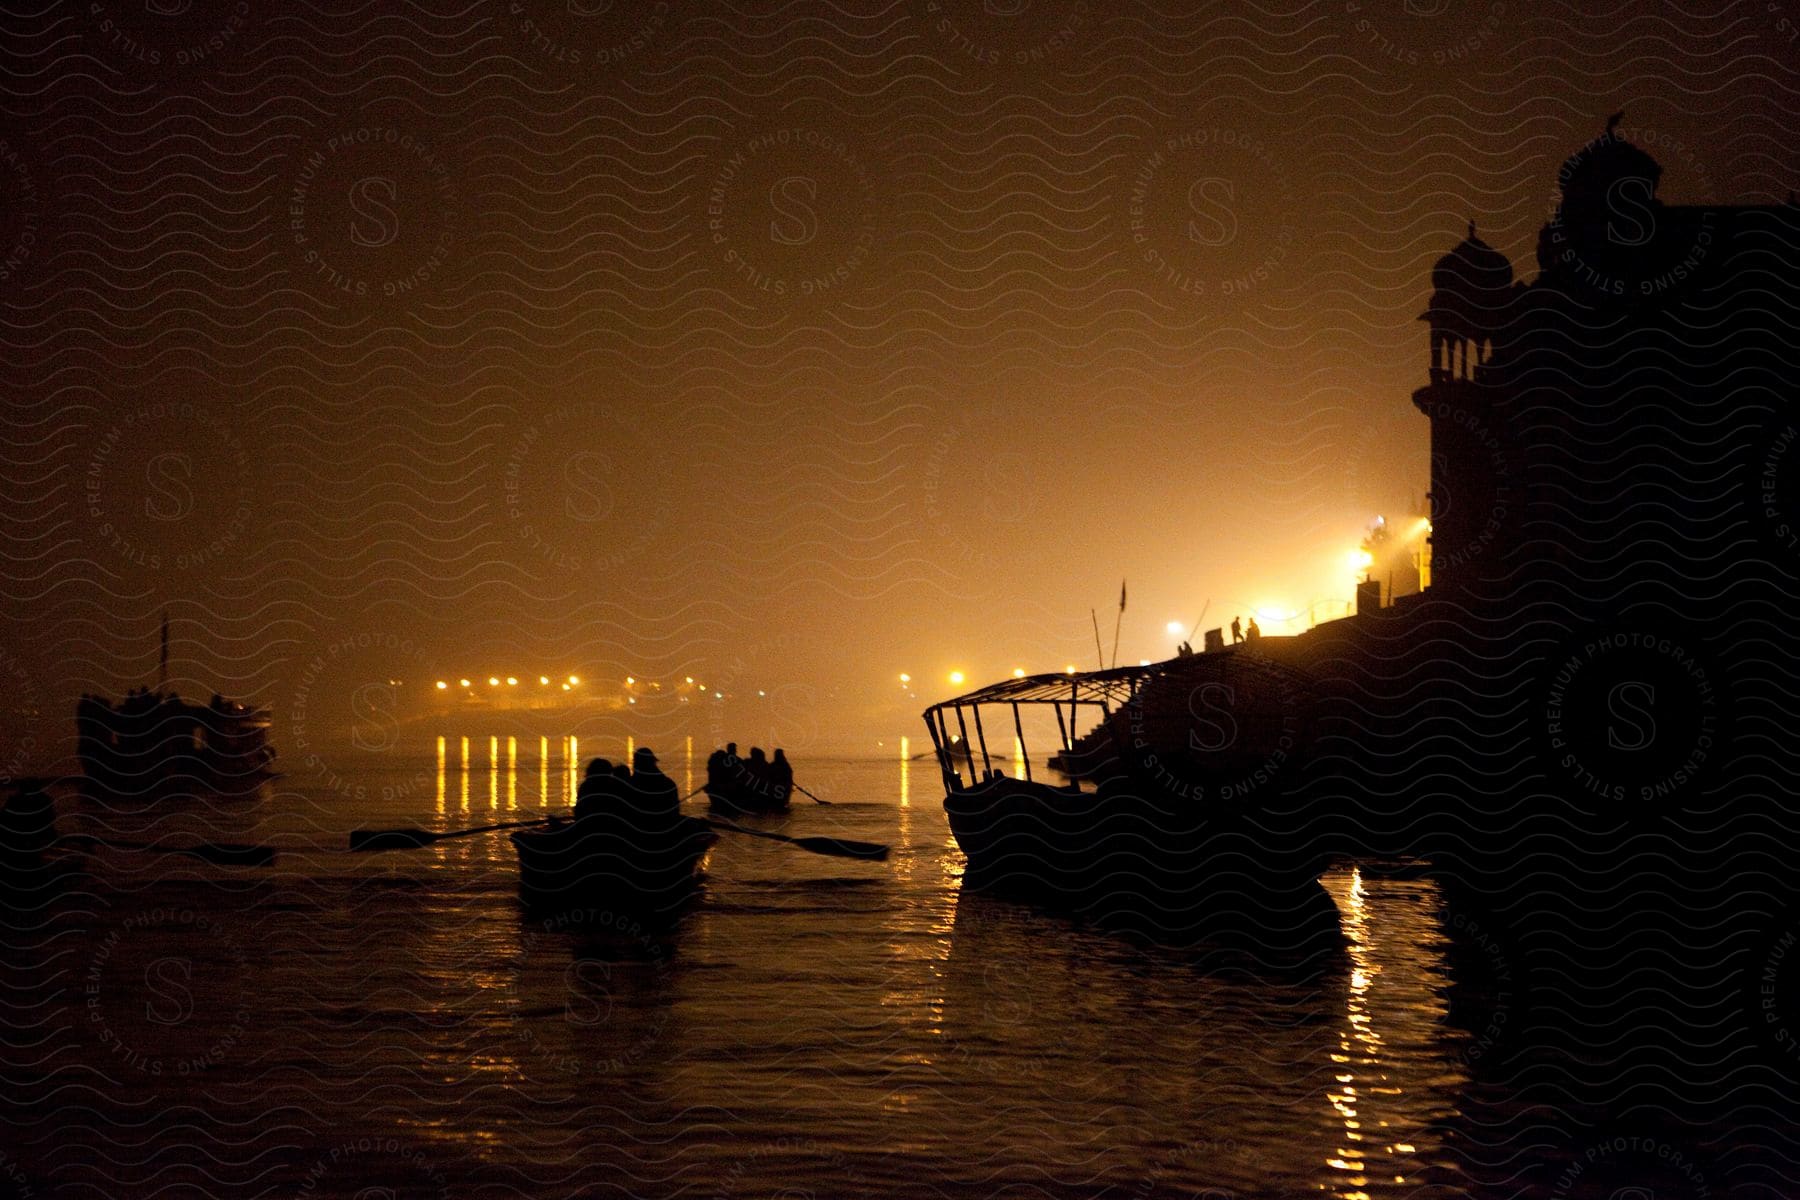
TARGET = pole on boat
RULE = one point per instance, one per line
(987, 761)
(937, 744)
(964, 726)
(947, 756)
(1098, 652)
(1019, 728)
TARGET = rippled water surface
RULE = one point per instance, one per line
(393, 1020)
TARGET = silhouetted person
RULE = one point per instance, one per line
(654, 796)
(1237, 630)
(27, 827)
(1253, 632)
(758, 767)
(781, 774)
(715, 769)
(598, 791)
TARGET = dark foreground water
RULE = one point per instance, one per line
(813, 1027)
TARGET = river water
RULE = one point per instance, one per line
(813, 1026)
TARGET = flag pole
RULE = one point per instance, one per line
(1200, 622)
(1098, 652)
(1117, 621)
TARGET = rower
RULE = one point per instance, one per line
(719, 765)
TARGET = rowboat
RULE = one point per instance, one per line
(610, 862)
(747, 786)
(738, 797)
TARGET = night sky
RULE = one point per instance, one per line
(798, 345)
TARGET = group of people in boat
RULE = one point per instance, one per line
(151, 732)
(639, 792)
(759, 775)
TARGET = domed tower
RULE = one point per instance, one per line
(1470, 287)
(1471, 312)
(1607, 219)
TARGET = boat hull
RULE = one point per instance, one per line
(611, 864)
(739, 802)
(1146, 867)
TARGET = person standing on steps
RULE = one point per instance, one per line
(1237, 629)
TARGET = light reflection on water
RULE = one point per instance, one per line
(869, 1027)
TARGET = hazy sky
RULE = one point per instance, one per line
(794, 344)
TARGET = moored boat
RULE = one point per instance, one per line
(1160, 851)
(150, 742)
(611, 862)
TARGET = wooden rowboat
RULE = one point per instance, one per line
(735, 798)
(609, 862)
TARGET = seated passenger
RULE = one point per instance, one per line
(597, 792)
(653, 796)
(781, 775)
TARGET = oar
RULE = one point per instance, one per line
(804, 792)
(412, 839)
(229, 854)
(837, 847)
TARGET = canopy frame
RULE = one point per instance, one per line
(1071, 690)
